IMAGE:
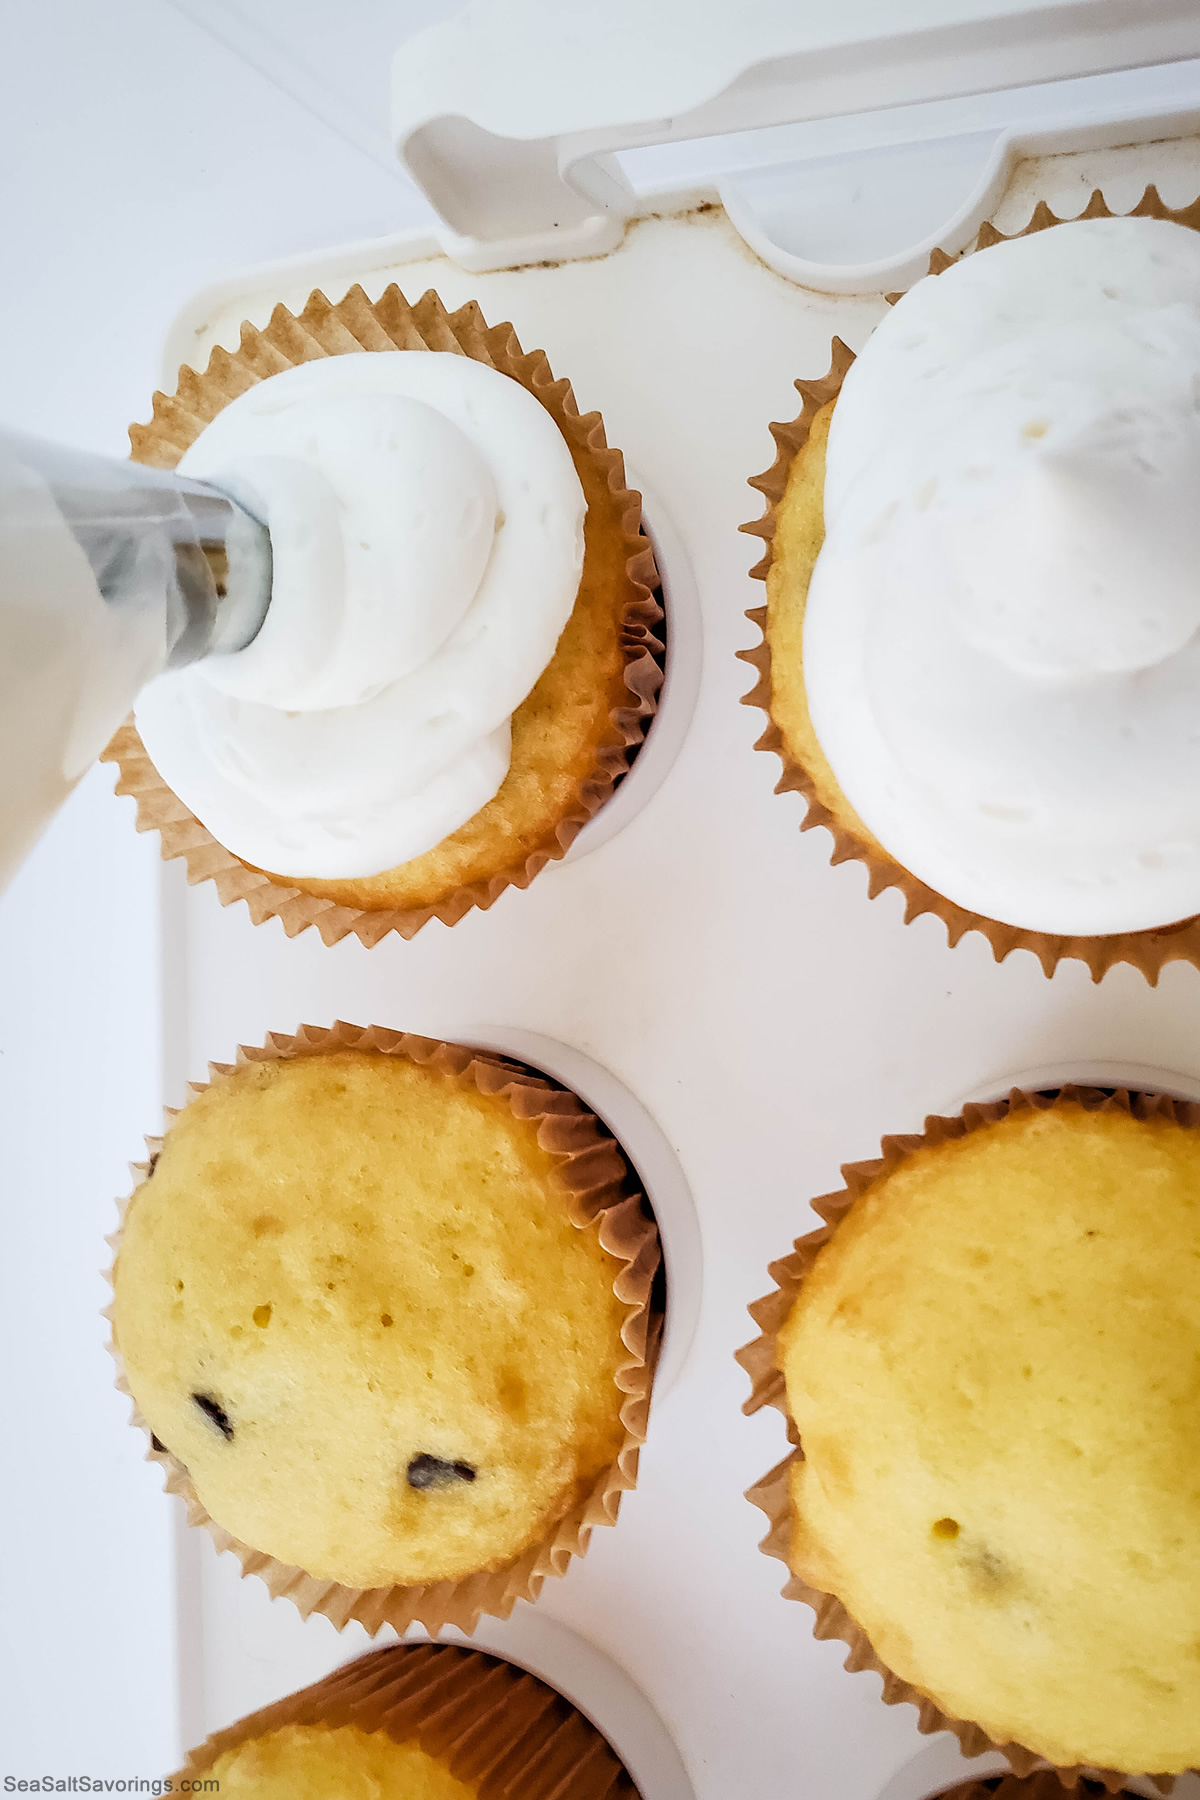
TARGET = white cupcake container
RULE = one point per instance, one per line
(740, 1014)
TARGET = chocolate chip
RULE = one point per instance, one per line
(215, 1413)
(156, 1443)
(431, 1472)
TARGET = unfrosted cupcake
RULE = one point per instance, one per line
(988, 1361)
(422, 1722)
(1045, 1786)
(980, 658)
(385, 1307)
(459, 659)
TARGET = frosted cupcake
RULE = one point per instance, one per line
(987, 1359)
(385, 1307)
(981, 660)
(460, 657)
(422, 1721)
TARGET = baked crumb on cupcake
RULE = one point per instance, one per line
(312, 1762)
(989, 1361)
(352, 1303)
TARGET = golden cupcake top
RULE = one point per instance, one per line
(994, 1368)
(314, 1762)
(351, 1301)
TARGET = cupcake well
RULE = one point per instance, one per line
(772, 1495)
(614, 512)
(1147, 951)
(598, 1193)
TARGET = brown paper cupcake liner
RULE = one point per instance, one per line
(599, 1192)
(491, 1722)
(391, 323)
(1148, 951)
(1045, 1786)
(760, 1359)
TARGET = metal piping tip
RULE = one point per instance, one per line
(155, 539)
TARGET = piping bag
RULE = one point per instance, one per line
(109, 574)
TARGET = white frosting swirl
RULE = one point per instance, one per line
(426, 526)
(1001, 650)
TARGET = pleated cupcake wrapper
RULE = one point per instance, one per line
(1148, 951)
(760, 1359)
(492, 1723)
(598, 1193)
(388, 324)
(1043, 1786)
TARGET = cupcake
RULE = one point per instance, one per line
(981, 655)
(426, 1721)
(987, 1361)
(385, 1307)
(459, 659)
(1045, 1786)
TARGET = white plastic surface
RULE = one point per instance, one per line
(681, 678)
(854, 220)
(771, 1020)
(1138, 1078)
(600, 1689)
(91, 1547)
(510, 115)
